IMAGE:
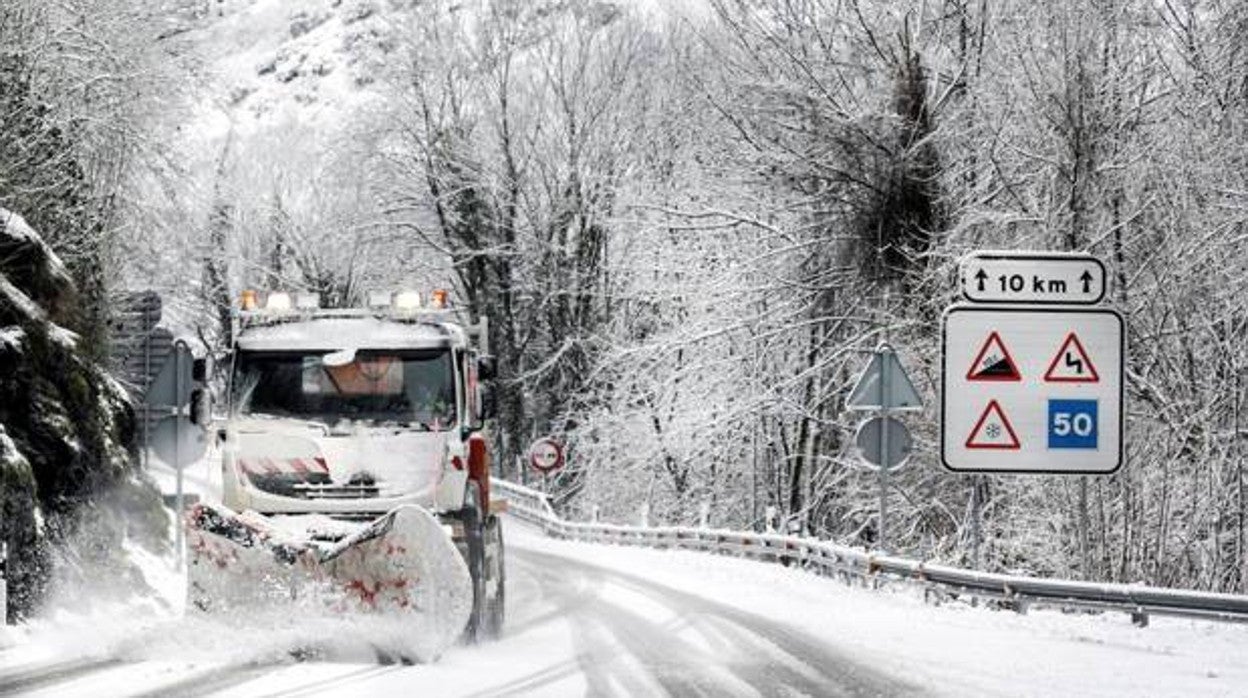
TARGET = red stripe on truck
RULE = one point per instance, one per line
(276, 466)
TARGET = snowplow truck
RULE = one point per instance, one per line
(355, 474)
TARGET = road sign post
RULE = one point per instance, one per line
(1032, 379)
(883, 387)
(883, 441)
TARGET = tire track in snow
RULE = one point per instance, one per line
(771, 659)
(47, 675)
(206, 683)
(676, 666)
(334, 682)
(575, 604)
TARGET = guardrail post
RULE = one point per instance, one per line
(1020, 605)
(1139, 618)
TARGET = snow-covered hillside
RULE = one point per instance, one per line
(306, 64)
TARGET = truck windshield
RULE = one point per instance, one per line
(400, 387)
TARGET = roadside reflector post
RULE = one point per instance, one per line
(704, 514)
(977, 484)
(645, 514)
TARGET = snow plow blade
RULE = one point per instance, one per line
(403, 562)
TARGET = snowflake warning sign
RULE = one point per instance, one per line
(993, 430)
(993, 363)
(1071, 364)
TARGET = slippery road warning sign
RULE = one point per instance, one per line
(1043, 393)
(993, 430)
(994, 362)
(1071, 364)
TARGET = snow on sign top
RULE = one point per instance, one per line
(884, 385)
(1032, 277)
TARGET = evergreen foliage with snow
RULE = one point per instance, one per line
(64, 429)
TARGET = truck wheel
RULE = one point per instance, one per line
(474, 537)
(495, 609)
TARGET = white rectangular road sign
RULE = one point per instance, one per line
(1032, 277)
(1032, 389)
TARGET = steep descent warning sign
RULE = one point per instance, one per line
(993, 363)
(1071, 364)
(993, 430)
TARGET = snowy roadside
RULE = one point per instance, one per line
(953, 649)
(71, 629)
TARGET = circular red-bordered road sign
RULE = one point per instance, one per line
(546, 455)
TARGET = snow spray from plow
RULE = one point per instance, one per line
(402, 562)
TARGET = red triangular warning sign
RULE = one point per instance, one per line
(993, 363)
(1071, 364)
(993, 430)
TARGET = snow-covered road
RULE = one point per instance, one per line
(595, 620)
(575, 628)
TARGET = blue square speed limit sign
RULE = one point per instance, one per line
(1073, 424)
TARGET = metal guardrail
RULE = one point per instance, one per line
(940, 582)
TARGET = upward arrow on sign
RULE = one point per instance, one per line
(883, 370)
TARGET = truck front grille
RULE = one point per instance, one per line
(335, 491)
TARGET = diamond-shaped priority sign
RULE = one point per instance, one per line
(884, 385)
(1032, 389)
